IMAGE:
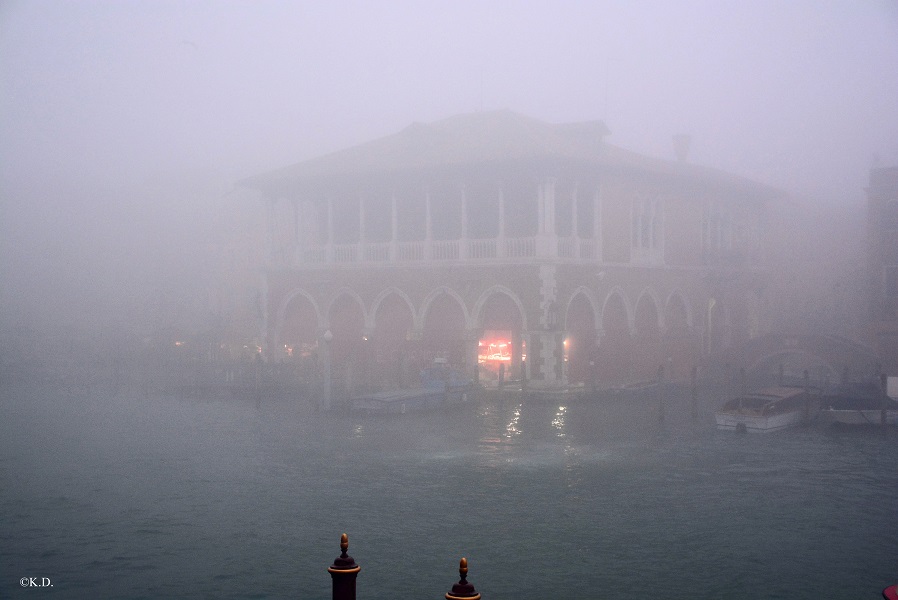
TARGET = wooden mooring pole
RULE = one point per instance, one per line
(807, 395)
(343, 572)
(694, 386)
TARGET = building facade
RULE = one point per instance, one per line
(882, 254)
(513, 248)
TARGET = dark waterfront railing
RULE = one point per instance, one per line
(345, 570)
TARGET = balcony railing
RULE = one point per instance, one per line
(520, 248)
(480, 249)
(445, 250)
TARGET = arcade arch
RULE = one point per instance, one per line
(349, 349)
(500, 321)
(614, 357)
(298, 325)
(391, 340)
(443, 324)
(580, 345)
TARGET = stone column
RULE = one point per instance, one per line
(517, 351)
(575, 234)
(269, 230)
(266, 327)
(330, 230)
(463, 243)
(394, 224)
(361, 227)
(296, 223)
(597, 222)
(550, 332)
(546, 235)
(500, 250)
(472, 351)
(428, 226)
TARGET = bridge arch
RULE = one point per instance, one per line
(826, 357)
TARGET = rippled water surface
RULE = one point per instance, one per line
(129, 496)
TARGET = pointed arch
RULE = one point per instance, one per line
(614, 359)
(436, 293)
(281, 334)
(288, 298)
(617, 293)
(647, 316)
(382, 296)
(390, 338)
(580, 342)
(444, 323)
(593, 301)
(677, 312)
(354, 297)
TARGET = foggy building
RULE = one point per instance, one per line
(882, 238)
(497, 239)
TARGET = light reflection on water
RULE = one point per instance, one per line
(162, 497)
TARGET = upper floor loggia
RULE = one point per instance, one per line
(501, 187)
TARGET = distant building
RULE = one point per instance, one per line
(496, 239)
(882, 238)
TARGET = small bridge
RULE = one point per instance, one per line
(827, 358)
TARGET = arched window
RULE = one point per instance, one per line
(647, 237)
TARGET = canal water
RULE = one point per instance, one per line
(133, 496)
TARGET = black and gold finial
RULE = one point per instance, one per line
(344, 562)
(463, 590)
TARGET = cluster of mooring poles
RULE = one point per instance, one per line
(345, 570)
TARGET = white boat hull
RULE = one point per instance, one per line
(759, 423)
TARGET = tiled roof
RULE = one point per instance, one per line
(476, 138)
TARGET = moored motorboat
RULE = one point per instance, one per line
(398, 401)
(440, 385)
(859, 403)
(769, 409)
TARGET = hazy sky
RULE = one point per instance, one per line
(101, 95)
(802, 94)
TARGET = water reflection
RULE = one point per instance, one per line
(514, 425)
(558, 421)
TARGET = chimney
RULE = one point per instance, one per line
(681, 143)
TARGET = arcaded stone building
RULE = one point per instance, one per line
(496, 239)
